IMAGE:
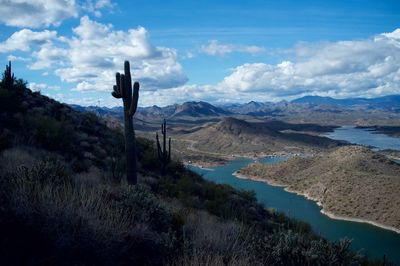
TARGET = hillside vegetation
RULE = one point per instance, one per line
(64, 201)
(352, 182)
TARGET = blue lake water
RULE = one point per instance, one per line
(374, 241)
(365, 137)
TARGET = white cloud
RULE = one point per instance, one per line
(16, 58)
(37, 13)
(91, 57)
(47, 56)
(41, 87)
(219, 49)
(45, 13)
(366, 68)
(96, 6)
(23, 40)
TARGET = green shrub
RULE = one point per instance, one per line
(48, 171)
(9, 100)
(50, 133)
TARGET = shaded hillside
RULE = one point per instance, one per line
(235, 136)
(198, 109)
(351, 181)
(57, 211)
(28, 118)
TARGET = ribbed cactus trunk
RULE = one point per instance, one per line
(164, 156)
(123, 89)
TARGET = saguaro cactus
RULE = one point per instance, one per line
(8, 77)
(164, 156)
(123, 89)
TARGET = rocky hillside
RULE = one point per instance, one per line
(235, 136)
(351, 181)
(28, 118)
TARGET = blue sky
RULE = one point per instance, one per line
(217, 51)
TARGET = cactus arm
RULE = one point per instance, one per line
(159, 151)
(115, 93)
(128, 79)
(169, 149)
(122, 86)
(165, 142)
(135, 98)
(127, 87)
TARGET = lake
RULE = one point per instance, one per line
(365, 137)
(374, 241)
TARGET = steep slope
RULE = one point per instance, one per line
(351, 182)
(29, 118)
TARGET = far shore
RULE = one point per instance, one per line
(329, 214)
(227, 158)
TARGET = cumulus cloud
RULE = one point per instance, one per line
(38, 13)
(96, 51)
(45, 13)
(41, 87)
(23, 40)
(216, 48)
(366, 68)
(95, 7)
(16, 58)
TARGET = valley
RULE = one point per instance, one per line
(347, 181)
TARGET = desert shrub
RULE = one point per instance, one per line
(47, 171)
(144, 206)
(9, 100)
(149, 159)
(90, 118)
(287, 247)
(49, 133)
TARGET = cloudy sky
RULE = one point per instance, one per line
(212, 50)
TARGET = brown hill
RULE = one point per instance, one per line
(232, 135)
(350, 182)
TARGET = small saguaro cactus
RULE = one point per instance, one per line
(164, 156)
(123, 89)
(8, 77)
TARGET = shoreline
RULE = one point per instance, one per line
(326, 213)
(255, 158)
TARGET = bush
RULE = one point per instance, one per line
(9, 100)
(49, 133)
(48, 171)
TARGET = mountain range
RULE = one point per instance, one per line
(204, 109)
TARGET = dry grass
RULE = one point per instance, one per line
(83, 214)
